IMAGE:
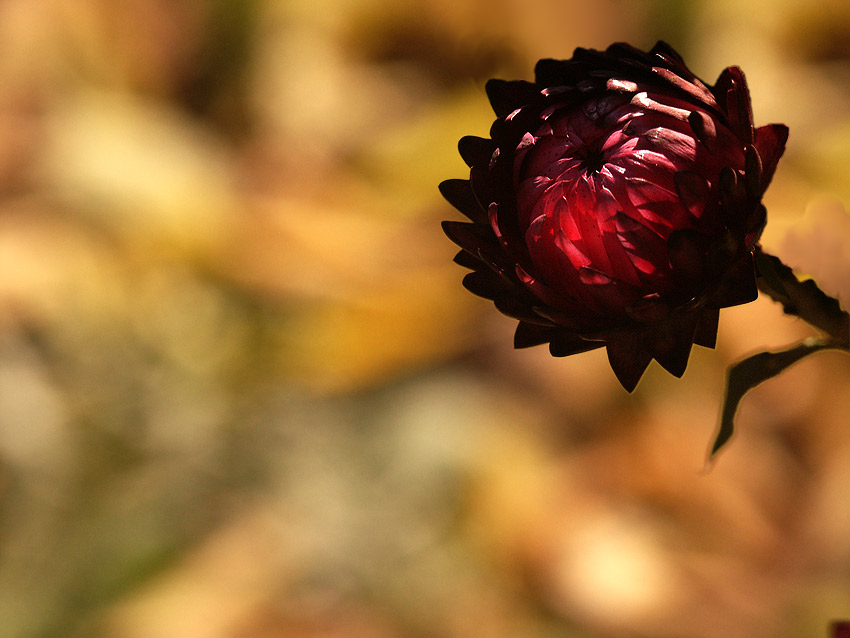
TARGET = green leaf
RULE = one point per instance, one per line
(802, 298)
(747, 374)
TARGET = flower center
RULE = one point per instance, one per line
(592, 160)
(597, 200)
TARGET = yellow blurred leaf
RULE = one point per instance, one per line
(141, 170)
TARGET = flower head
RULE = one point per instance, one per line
(616, 203)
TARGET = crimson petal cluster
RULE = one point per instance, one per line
(617, 203)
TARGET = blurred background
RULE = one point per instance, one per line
(244, 395)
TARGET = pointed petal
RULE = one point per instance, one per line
(512, 303)
(467, 260)
(756, 222)
(752, 173)
(673, 341)
(507, 96)
(476, 151)
(469, 237)
(706, 331)
(686, 255)
(650, 309)
(482, 186)
(485, 283)
(663, 49)
(530, 334)
(704, 128)
(624, 50)
(564, 344)
(738, 285)
(628, 359)
(694, 89)
(693, 190)
(458, 192)
(770, 143)
(732, 194)
(734, 96)
(549, 72)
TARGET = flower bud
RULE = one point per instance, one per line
(616, 203)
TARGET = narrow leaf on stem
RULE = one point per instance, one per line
(802, 298)
(747, 374)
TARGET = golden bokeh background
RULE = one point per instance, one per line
(243, 394)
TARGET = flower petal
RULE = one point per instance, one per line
(734, 96)
(673, 341)
(564, 344)
(693, 190)
(706, 331)
(476, 151)
(459, 194)
(770, 143)
(531, 334)
(738, 285)
(507, 96)
(629, 359)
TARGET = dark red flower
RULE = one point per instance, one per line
(617, 203)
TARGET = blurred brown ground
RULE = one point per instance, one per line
(243, 394)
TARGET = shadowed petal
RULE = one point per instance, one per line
(706, 330)
(732, 194)
(514, 306)
(738, 285)
(507, 96)
(467, 236)
(486, 283)
(733, 95)
(549, 72)
(752, 173)
(673, 341)
(770, 143)
(704, 128)
(482, 246)
(664, 50)
(467, 260)
(531, 334)
(694, 89)
(686, 255)
(482, 186)
(564, 344)
(693, 190)
(628, 358)
(476, 151)
(459, 194)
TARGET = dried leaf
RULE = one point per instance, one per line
(747, 374)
